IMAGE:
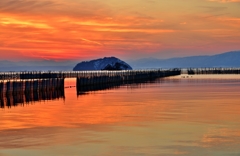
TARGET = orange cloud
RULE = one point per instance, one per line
(58, 37)
(59, 29)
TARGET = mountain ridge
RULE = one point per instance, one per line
(228, 59)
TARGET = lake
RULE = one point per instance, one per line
(182, 115)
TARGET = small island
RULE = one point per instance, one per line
(106, 63)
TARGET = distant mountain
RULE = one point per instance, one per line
(106, 63)
(228, 59)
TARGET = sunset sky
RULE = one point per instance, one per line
(129, 29)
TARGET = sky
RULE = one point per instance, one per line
(128, 29)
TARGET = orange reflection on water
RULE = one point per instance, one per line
(173, 115)
(167, 101)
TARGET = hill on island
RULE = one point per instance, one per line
(106, 63)
(228, 59)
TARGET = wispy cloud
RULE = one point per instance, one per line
(76, 31)
(76, 28)
(22, 23)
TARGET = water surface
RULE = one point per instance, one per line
(172, 116)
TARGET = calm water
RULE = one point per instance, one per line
(173, 116)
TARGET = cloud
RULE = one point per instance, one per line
(22, 23)
(213, 9)
(55, 28)
(67, 31)
(22, 6)
(52, 8)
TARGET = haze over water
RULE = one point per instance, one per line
(172, 116)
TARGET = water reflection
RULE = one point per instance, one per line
(19, 98)
(14, 99)
(82, 90)
(173, 116)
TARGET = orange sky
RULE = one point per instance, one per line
(83, 29)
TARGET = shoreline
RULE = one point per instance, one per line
(207, 76)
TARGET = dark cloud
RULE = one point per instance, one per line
(80, 9)
(213, 8)
(22, 6)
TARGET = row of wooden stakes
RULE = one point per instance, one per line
(123, 78)
(193, 71)
(25, 98)
(13, 86)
